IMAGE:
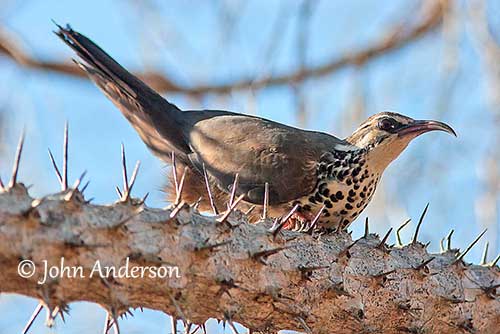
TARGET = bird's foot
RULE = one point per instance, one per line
(299, 221)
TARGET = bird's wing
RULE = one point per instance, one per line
(259, 151)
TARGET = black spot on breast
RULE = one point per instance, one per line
(348, 182)
(354, 214)
(343, 212)
(339, 195)
(326, 214)
(307, 207)
(365, 188)
(350, 199)
(356, 186)
(333, 198)
(312, 200)
(362, 194)
(328, 204)
(348, 206)
(325, 192)
(356, 171)
(352, 193)
(317, 197)
(322, 186)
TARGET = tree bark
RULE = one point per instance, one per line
(239, 272)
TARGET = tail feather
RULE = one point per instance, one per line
(158, 122)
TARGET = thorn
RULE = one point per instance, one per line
(442, 248)
(65, 158)
(448, 237)
(315, 220)
(470, 247)
(17, 159)
(34, 315)
(124, 171)
(398, 232)
(250, 210)
(346, 250)
(233, 189)
(136, 212)
(173, 322)
(305, 270)
(260, 256)
(484, 258)
(132, 179)
(118, 192)
(174, 172)
(188, 328)
(176, 210)
(74, 189)
(490, 291)
(58, 174)
(143, 200)
(231, 324)
(381, 245)
(495, 261)
(384, 274)
(51, 316)
(210, 197)
(177, 307)
(230, 209)
(107, 324)
(114, 324)
(426, 262)
(367, 229)
(284, 220)
(181, 186)
(212, 246)
(415, 236)
(79, 180)
(304, 325)
(266, 201)
(60, 310)
(196, 204)
(85, 187)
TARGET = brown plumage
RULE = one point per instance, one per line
(305, 168)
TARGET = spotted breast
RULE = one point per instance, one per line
(345, 186)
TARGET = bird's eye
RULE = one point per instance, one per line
(387, 124)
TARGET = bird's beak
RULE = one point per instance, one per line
(419, 127)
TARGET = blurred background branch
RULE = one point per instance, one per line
(403, 33)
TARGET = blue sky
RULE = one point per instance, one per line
(184, 39)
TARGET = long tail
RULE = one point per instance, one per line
(158, 122)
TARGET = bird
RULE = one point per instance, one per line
(274, 168)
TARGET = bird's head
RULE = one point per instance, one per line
(385, 135)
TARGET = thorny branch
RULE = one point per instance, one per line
(263, 279)
(394, 39)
